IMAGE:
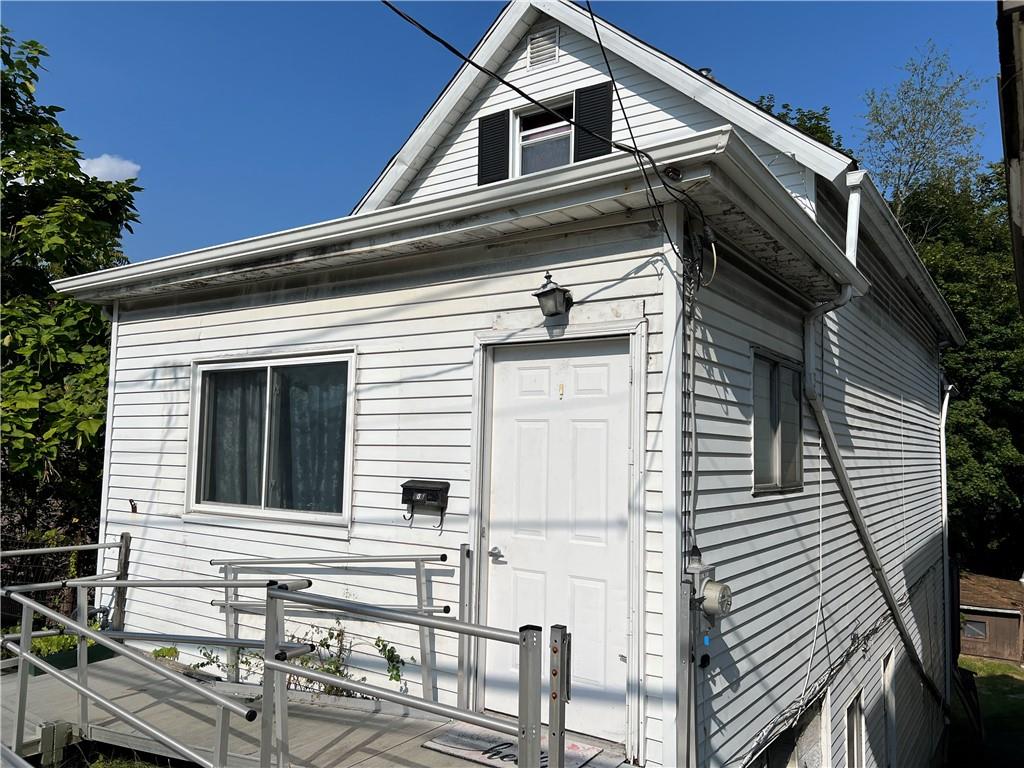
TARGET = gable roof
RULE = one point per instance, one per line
(505, 33)
(981, 591)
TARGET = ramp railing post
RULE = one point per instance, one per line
(231, 622)
(25, 646)
(220, 741)
(270, 643)
(529, 696)
(83, 661)
(281, 696)
(560, 672)
(426, 637)
(465, 597)
(121, 593)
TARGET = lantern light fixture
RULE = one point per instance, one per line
(554, 300)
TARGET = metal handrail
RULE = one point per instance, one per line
(508, 727)
(122, 650)
(48, 585)
(128, 717)
(51, 550)
(333, 560)
(29, 608)
(195, 583)
(526, 727)
(354, 608)
(232, 567)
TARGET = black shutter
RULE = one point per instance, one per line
(593, 111)
(493, 148)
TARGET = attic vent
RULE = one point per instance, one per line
(543, 47)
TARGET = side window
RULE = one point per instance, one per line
(545, 139)
(855, 733)
(778, 428)
(975, 630)
(275, 437)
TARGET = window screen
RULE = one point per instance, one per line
(975, 630)
(545, 139)
(278, 449)
(307, 437)
(233, 406)
(777, 425)
(764, 430)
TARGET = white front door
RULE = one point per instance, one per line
(558, 519)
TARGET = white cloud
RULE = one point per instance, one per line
(110, 167)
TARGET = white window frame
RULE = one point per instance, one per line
(860, 743)
(889, 706)
(196, 508)
(776, 486)
(983, 638)
(517, 137)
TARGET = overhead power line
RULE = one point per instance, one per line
(678, 194)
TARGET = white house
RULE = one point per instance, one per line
(268, 397)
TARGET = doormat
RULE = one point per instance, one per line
(479, 745)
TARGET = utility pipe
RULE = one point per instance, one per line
(854, 179)
(947, 632)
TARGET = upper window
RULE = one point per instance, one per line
(778, 430)
(276, 436)
(520, 142)
(545, 139)
(975, 630)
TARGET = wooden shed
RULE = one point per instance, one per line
(991, 617)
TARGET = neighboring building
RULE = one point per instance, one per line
(1010, 27)
(270, 396)
(991, 617)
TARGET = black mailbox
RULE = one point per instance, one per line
(426, 495)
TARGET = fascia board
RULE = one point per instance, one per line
(900, 251)
(390, 222)
(782, 215)
(816, 156)
(466, 81)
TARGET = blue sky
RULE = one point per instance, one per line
(252, 117)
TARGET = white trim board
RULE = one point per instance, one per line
(486, 341)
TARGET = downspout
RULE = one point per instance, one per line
(947, 390)
(832, 445)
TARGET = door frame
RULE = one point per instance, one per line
(635, 329)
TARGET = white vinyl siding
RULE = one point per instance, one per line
(881, 392)
(415, 329)
(657, 113)
(414, 332)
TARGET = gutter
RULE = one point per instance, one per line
(459, 210)
(854, 179)
(895, 244)
(1003, 611)
(947, 390)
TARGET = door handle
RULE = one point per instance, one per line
(495, 554)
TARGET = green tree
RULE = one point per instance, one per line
(921, 128)
(956, 214)
(816, 123)
(56, 221)
(964, 239)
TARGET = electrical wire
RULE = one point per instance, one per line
(679, 195)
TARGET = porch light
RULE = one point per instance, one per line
(554, 300)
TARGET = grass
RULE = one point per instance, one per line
(1001, 694)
